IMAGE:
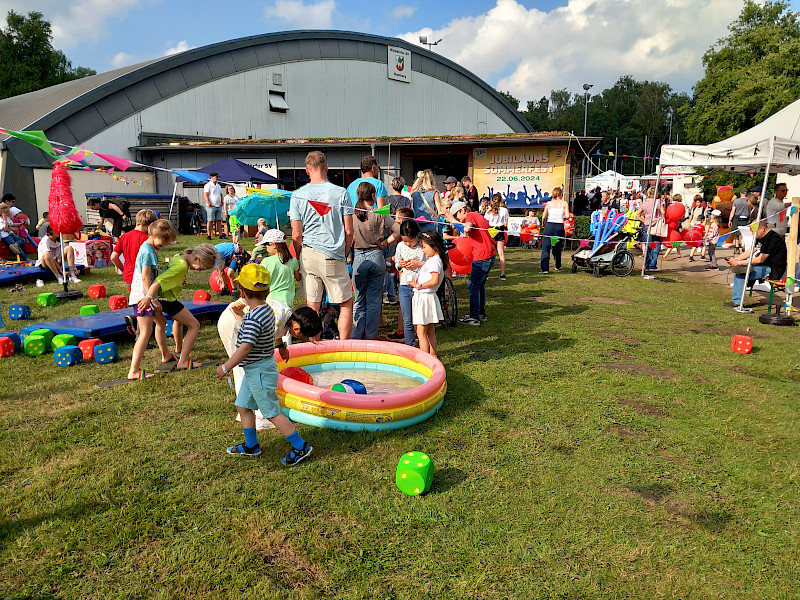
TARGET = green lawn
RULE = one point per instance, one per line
(598, 440)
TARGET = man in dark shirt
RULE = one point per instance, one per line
(769, 259)
(581, 204)
(470, 194)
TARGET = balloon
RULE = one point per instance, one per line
(693, 238)
(215, 283)
(672, 236)
(464, 247)
(675, 212)
(458, 262)
(299, 374)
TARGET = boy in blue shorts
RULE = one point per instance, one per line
(255, 348)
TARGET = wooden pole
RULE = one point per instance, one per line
(791, 248)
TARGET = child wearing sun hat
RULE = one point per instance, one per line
(255, 353)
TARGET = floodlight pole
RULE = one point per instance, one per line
(586, 88)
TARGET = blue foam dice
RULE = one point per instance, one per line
(19, 312)
(14, 338)
(106, 353)
(68, 356)
(27, 330)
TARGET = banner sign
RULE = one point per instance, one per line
(398, 64)
(524, 175)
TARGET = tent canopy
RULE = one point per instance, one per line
(748, 151)
(231, 170)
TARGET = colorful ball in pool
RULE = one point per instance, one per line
(348, 386)
(299, 374)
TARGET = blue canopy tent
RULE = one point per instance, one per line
(229, 170)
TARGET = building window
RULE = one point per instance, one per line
(277, 102)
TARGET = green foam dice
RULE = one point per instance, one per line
(414, 473)
(35, 345)
(89, 309)
(46, 299)
(63, 339)
(47, 334)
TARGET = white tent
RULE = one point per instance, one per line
(771, 146)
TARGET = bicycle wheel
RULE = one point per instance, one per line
(447, 297)
(622, 263)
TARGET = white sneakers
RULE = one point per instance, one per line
(74, 278)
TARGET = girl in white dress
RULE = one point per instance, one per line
(426, 309)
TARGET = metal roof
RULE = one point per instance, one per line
(73, 112)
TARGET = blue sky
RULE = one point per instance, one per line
(527, 47)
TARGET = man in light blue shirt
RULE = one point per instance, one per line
(370, 170)
(322, 232)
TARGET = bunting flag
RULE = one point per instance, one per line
(722, 239)
(383, 210)
(792, 210)
(754, 226)
(321, 208)
(193, 176)
(78, 155)
(630, 245)
(120, 163)
(584, 243)
(493, 231)
(37, 138)
(676, 244)
(780, 215)
(421, 219)
(459, 227)
(790, 281)
(553, 239)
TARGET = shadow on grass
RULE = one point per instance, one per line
(10, 529)
(446, 479)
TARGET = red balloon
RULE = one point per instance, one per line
(673, 236)
(693, 238)
(215, 283)
(299, 374)
(675, 212)
(458, 262)
(464, 246)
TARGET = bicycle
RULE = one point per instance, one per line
(449, 301)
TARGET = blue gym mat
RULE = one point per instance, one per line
(111, 322)
(19, 274)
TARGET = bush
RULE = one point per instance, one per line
(582, 227)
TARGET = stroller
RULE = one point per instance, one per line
(609, 247)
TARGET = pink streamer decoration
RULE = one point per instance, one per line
(120, 163)
(421, 219)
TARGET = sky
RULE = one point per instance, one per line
(525, 47)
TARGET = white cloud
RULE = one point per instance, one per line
(403, 11)
(122, 59)
(182, 46)
(77, 22)
(297, 15)
(529, 52)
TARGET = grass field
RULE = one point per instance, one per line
(598, 440)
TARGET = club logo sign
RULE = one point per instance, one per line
(399, 64)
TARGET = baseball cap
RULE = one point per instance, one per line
(451, 179)
(716, 212)
(253, 277)
(457, 206)
(274, 236)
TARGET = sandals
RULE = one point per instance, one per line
(189, 367)
(242, 450)
(142, 376)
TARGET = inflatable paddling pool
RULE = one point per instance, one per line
(404, 385)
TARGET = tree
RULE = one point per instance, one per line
(749, 75)
(25, 43)
(511, 100)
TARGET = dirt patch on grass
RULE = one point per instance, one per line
(283, 562)
(635, 369)
(623, 433)
(643, 407)
(659, 496)
(601, 300)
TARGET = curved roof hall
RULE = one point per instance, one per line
(74, 111)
